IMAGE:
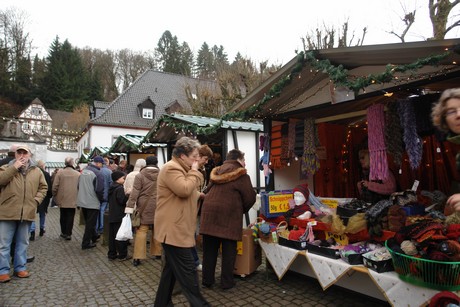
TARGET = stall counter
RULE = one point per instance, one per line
(384, 286)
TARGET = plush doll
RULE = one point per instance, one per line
(299, 207)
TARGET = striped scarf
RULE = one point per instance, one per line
(377, 150)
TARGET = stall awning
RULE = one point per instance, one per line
(55, 164)
(170, 125)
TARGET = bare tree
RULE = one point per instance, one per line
(130, 66)
(326, 37)
(408, 20)
(14, 38)
(102, 65)
(439, 15)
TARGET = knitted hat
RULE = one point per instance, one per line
(151, 160)
(117, 175)
(302, 188)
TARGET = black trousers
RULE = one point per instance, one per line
(66, 220)
(117, 249)
(90, 234)
(180, 266)
(211, 247)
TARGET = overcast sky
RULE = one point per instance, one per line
(259, 29)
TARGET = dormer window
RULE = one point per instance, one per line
(146, 109)
(147, 113)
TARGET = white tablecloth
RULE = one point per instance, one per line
(328, 271)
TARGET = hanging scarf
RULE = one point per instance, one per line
(412, 141)
(291, 138)
(394, 134)
(310, 161)
(377, 150)
(284, 157)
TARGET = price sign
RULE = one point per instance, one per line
(341, 239)
(239, 247)
(279, 203)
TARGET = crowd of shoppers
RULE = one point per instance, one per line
(169, 201)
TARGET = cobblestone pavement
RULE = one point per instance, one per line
(65, 275)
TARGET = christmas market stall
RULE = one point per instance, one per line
(355, 171)
(220, 135)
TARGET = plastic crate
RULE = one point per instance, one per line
(438, 275)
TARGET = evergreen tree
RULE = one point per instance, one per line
(186, 60)
(5, 77)
(169, 53)
(22, 87)
(38, 74)
(66, 83)
(205, 62)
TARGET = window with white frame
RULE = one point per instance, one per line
(147, 113)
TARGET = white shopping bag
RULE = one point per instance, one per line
(126, 231)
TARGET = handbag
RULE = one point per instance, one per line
(136, 218)
(125, 232)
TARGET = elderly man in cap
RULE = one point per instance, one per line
(89, 197)
(22, 188)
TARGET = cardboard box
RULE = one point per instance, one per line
(248, 256)
(275, 203)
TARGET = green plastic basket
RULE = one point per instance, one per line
(438, 275)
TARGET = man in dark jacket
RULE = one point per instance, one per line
(230, 195)
(89, 197)
(43, 207)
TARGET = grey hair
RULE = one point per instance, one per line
(185, 145)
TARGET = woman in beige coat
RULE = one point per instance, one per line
(175, 222)
(144, 197)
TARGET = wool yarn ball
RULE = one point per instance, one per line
(409, 248)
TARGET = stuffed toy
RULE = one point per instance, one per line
(300, 205)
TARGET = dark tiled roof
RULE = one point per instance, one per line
(101, 104)
(162, 88)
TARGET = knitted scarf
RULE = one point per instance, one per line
(291, 138)
(394, 134)
(412, 141)
(377, 151)
(310, 161)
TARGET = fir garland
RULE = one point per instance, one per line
(337, 74)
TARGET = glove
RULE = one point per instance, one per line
(129, 210)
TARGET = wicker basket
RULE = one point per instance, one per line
(438, 275)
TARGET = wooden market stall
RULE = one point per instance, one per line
(316, 111)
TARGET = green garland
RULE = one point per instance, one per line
(337, 74)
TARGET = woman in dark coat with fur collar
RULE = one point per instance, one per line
(230, 195)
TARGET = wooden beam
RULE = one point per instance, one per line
(340, 116)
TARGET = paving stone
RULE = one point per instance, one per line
(65, 275)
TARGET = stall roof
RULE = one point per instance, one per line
(165, 129)
(55, 164)
(131, 142)
(126, 143)
(309, 90)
